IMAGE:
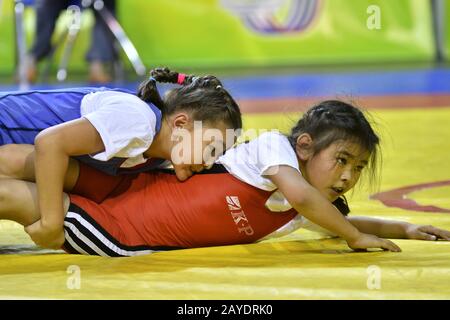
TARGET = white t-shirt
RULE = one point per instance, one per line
(126, 124)
(250, 162)
(253, 161)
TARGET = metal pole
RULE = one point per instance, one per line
(121, 37)
(72, 32)
(21, 51)
(438, 9)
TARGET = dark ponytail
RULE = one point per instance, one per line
(204, 96)
(148, 90)
(149, 93)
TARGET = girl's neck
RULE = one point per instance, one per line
(302, 167)
(161, 144)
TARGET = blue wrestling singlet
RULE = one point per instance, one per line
(24, 114)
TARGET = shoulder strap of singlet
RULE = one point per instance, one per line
(158, 115)
(342, 205)
(150, 164)
(216, 168)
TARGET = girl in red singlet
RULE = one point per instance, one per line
(266, 187)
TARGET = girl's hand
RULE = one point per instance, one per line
(414, 231)
(50, 237)
(366, 241)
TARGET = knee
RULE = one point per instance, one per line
(14, 160)
(5, 194)
(18, 202)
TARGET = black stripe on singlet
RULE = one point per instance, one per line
(216, 168)
(93, 238)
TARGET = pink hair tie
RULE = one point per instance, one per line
(181, 77)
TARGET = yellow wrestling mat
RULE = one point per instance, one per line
(303, 265)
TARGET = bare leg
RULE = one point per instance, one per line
(18, 201)
(17, 161)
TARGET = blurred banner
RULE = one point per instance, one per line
(225, 33)
(279, 32)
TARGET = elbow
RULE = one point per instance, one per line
(302, 197)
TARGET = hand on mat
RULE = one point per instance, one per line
(418, 232)
(366, 241)
(46, 236)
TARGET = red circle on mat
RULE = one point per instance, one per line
(397, 197)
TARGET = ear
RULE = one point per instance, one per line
(304, 147)
(180, 120)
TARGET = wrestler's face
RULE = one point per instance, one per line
(197, 146)
(336, 169)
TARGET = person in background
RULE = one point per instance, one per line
(101, 52)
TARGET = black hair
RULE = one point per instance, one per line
(204, 97)
(334, 120)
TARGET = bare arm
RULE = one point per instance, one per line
(381, 228)
(314, 206)
(397, 229)
(53, 147)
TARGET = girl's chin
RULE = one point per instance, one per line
(333, 196)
